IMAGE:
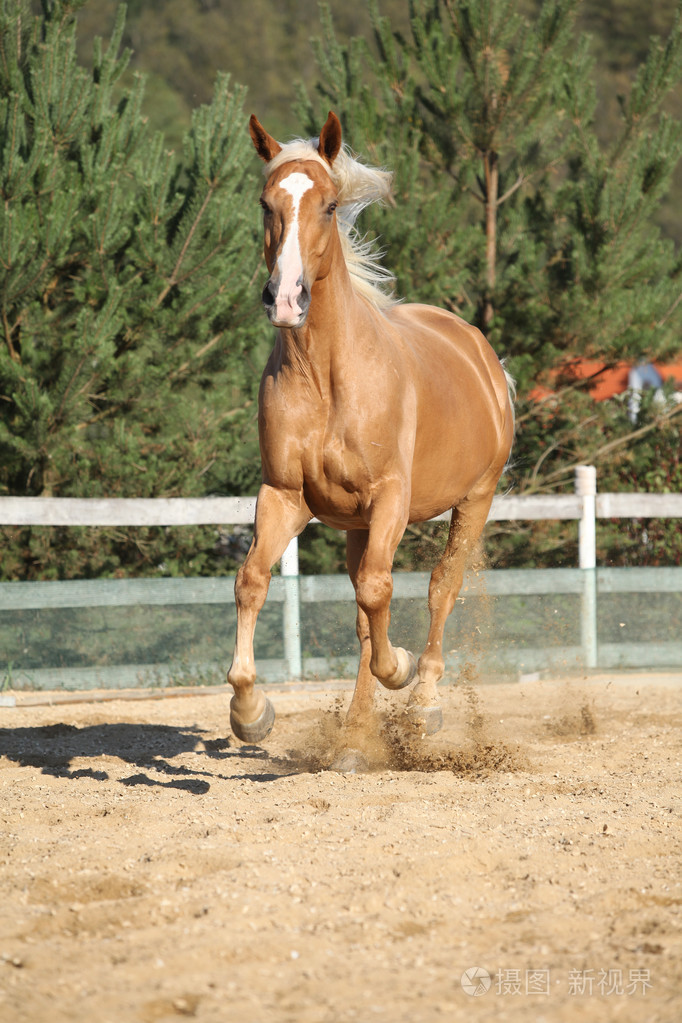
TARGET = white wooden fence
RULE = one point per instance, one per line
(585, 506)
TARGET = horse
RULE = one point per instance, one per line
(372, 414)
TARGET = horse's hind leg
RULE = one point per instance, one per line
(466, 525)
(279, 517)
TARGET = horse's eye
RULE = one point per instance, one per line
(331, 208)
(264, 206)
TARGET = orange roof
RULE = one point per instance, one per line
(670, 370)
(608, 381)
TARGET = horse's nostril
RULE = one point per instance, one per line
(268, 296)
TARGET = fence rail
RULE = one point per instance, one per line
(103, 633)
(126, 511)
(585, 506)
(206, 511)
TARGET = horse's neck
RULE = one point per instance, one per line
(322, 348)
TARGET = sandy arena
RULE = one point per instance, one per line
(155, 869)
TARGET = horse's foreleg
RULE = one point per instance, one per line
(466, 526)
(392, 666)
(351, 757)
(280, 515)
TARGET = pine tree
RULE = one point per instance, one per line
(513, 212)
(127, 307)
(509, 209)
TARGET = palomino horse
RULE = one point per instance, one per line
(372, 415)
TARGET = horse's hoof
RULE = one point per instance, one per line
(350, 761)
(253, 731)
(404, 673)
(428, 720)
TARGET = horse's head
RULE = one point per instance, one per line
(299, 202)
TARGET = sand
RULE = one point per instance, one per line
(524, 863)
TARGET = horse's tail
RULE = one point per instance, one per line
(511, 393)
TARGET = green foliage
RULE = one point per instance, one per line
(179, 44)
(642, 456)
(131, 337)
(515, 213)
(652, 464)
(510, 210)
(129, 320)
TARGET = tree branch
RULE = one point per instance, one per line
(605, 449)
(172, 280)
(13, 353)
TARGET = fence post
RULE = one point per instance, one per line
(291, 614)
(586, 489)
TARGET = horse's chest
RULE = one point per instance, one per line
(336, 479)
(327, 462)
(331, 459)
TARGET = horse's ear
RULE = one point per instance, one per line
(266, 147)
(330, 138)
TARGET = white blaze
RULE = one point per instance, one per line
(289, 261)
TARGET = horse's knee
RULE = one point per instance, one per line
(373, 592)
(251, 585)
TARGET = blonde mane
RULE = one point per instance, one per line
(358, 186)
